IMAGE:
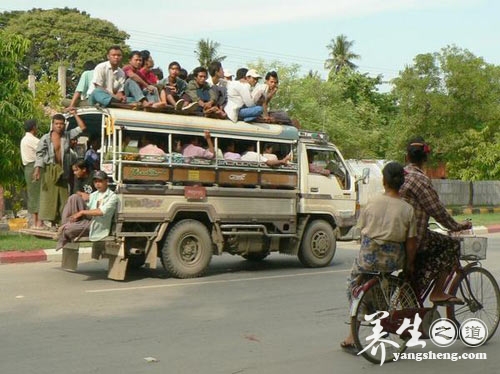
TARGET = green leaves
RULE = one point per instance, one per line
(451, 99)
(341, 55)
(61, 36)
(207, 52)
(16, 104)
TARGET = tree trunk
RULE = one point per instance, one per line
(2, 203)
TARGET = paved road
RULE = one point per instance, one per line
(273, 317)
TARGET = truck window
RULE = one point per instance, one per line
(328, 163)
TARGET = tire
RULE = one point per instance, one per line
(187, 250)
(255, 256)
(318, 245)
(386, 295)
(482, 299)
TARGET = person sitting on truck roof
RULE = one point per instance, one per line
(217, 83)
(194, 148)
(147, 71)
(252, 156)
(240, 104)
(199, 91)
(228, 75)
(174, 89)
(108, 84)
(84, 84)
(137, 88)
(263, 94)
(94, 219)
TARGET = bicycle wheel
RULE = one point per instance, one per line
(387, 294)
(479, 289)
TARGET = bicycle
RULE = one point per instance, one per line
(471, 282)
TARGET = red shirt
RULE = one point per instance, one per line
(129, 70)
(148, 76)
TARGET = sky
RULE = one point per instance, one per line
(387, 34)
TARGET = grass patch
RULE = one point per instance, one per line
(480, 219)
(13, 241)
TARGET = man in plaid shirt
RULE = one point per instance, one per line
(436, 253)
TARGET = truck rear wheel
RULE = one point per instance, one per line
(187, 250)
(318, 244)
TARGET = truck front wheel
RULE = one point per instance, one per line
(187, 250)
(318, 244)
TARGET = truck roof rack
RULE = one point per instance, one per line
(313, 135)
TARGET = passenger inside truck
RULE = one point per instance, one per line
(328, 162)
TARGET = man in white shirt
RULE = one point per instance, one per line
(240, 104)
(28, 155)
(108, 84)
(264, 92)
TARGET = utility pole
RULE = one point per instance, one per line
(61, 78)
(31, 81)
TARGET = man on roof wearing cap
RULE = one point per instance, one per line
(240, 104)
(228, 75)
(93, 220)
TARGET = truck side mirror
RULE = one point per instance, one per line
(365, 177)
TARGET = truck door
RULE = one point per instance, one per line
(329, 185)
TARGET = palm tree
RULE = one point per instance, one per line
(206, 52)
(341, 54)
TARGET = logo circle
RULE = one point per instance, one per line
(473, 332)
(443, 332)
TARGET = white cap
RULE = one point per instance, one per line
(228, 73)
(253, 73)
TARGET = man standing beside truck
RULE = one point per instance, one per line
(53, 157)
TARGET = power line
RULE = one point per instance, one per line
(242, 56)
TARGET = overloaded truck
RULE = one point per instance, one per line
(184, 210)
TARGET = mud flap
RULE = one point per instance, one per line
(70, 256)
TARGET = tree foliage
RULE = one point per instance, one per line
(451, 99)
(348, 107)
(16, 105)
(207, 51)
(341, 54)
(61, 36)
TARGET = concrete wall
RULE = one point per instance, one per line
(455, 192)
(452, 192)
(486, 193)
